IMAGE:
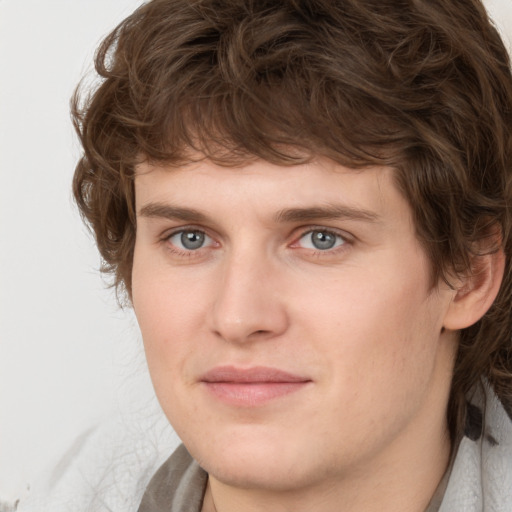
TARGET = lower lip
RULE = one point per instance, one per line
(252, 394)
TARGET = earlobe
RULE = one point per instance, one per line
(476, 292)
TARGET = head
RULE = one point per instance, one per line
(420, 88)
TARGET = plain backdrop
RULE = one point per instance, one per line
(69, 356)
(66, 348)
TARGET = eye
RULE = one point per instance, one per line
(190, 239)
(321, 240)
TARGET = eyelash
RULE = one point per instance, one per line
(325, 231)
(189, 253)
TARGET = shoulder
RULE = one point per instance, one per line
(481, 477)
(178, 485)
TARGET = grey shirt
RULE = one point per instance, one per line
(178, 486)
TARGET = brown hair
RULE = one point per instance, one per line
(423, 86)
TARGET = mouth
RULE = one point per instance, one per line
(251, 387)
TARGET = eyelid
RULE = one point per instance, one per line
(169, 233)
(347, 237)
(300, 232)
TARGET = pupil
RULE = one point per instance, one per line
(192, 239)
(323, 240)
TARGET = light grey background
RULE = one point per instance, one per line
(66, 349)
(68, 356)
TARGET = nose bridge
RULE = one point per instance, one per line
(248, 303)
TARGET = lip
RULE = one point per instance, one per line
(251, 387)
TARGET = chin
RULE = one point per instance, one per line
(257, 463)
(277, 476)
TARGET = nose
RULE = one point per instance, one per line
(249, 302)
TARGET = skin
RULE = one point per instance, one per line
(360, 320)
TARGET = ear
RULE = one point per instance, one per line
(476, 292)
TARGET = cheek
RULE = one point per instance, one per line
(378, 331)
(164, 305)
(170, 308)
(161, 320)
(156, 306)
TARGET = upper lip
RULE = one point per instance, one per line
(255, 374)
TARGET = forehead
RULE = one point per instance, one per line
(265, 186)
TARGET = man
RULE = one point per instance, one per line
(307, 204)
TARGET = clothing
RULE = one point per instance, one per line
(178, 486)
(479, 479)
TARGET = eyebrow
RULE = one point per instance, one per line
(287, 215)
(328, 212)
(167, 211)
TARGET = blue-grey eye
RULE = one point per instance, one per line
(321, 240)
(190, 240)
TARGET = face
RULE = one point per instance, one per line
(290, 326)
